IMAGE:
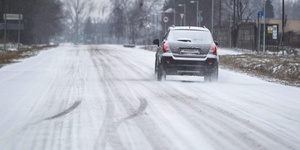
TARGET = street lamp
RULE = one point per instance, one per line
(198, 21)
(184, 11)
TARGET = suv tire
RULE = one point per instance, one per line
(161, 74)
(213, 77)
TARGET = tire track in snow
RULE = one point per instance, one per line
(140, 110)
(203, 109)
(108, 132)
(74, 106)
(104, 61)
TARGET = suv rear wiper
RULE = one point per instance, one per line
(184, 40)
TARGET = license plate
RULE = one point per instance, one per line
(190, 51)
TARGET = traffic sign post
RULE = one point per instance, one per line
(81, 37)
(147, 27)
(165, 19)
(11, 26)
(199, 18)
(181, 17)
(259, 15)
(19, 32)
(13, 16)
(4, 31)
(264, 40)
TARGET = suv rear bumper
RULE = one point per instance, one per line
(189, 66)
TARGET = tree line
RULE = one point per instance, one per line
(132, 15)
(128, 17)
(42, 19)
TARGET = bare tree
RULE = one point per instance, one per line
(78, 11)
(292, 9)
(240, 11)
(297, 8)
(129, 16)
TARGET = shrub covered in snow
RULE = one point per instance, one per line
(285, 69)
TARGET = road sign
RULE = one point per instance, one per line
(200, 19)
(165, 19)
(274, 36)
(81, 37)
(12, 26)
(260, 13)
(13, 16)
(181, 16)
(270, 29)
(148, 26)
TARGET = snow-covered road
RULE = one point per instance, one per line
(106, 97)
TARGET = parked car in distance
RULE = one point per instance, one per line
(187, 51)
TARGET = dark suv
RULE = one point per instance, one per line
(187, 51)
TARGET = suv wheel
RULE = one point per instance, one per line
(213, 77)
(155, 68)
(160, 73)
(206, 78)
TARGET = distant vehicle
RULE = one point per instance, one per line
(187, 51)
(129, 45)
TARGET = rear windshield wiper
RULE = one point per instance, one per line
(184, 40)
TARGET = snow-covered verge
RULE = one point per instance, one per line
(106, 97)
(271, 67)
(12, 55)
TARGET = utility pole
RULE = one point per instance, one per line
(230, 29)
(220, 12)
(234, 11)
(212, 18)
(258, 31)
(184, 6)
(282, 27)
(5, 26)
(198, 13)
(19, 32)
(174, 17)
(230, 24)
(184, 13)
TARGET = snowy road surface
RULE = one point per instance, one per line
(106, 97)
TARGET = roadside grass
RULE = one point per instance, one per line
(271, 67)
(9, 56)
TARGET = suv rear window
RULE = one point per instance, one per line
(203, 37)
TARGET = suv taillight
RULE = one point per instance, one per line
(213, 50)
(166, 47)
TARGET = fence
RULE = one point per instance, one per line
(292, 39)
(222, 35)
(247, 37)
